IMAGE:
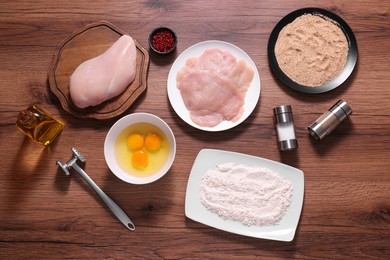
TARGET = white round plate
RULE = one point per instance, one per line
(251, 98)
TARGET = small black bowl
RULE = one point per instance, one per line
(162, 40)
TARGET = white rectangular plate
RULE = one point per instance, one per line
(208, 159)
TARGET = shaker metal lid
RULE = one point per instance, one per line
(283, 109)
(283, 114)
(341, 110)
(287, 145)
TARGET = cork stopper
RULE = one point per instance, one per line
(26, 119)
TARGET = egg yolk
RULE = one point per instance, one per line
(152, 142)
(140, 159)
(135, 141)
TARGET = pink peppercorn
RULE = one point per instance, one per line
(163, 41)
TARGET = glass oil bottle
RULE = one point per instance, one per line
(38, 124)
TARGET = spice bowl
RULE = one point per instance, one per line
(132, 141)
(162, 40)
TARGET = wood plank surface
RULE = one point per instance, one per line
(47, 215)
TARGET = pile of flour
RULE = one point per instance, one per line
(250, 195)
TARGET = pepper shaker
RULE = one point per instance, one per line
(328, 121)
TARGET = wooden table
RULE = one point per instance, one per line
(45, 214)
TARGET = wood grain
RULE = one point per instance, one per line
(47, 215)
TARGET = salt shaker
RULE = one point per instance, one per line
(285, 128)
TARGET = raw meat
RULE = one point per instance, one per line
(105, 76)
(213, 87)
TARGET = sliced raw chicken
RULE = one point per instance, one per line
(105, 76)
(213, 87)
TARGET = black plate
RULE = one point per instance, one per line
(335, 82)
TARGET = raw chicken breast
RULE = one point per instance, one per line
(213, 87)
(105, 76)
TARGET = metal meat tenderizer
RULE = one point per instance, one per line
(118, 212)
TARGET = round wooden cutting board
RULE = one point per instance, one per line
(84, 44)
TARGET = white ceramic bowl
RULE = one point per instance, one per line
(118, 127)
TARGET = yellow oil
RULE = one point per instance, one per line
(39, 125)
(156, 159)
